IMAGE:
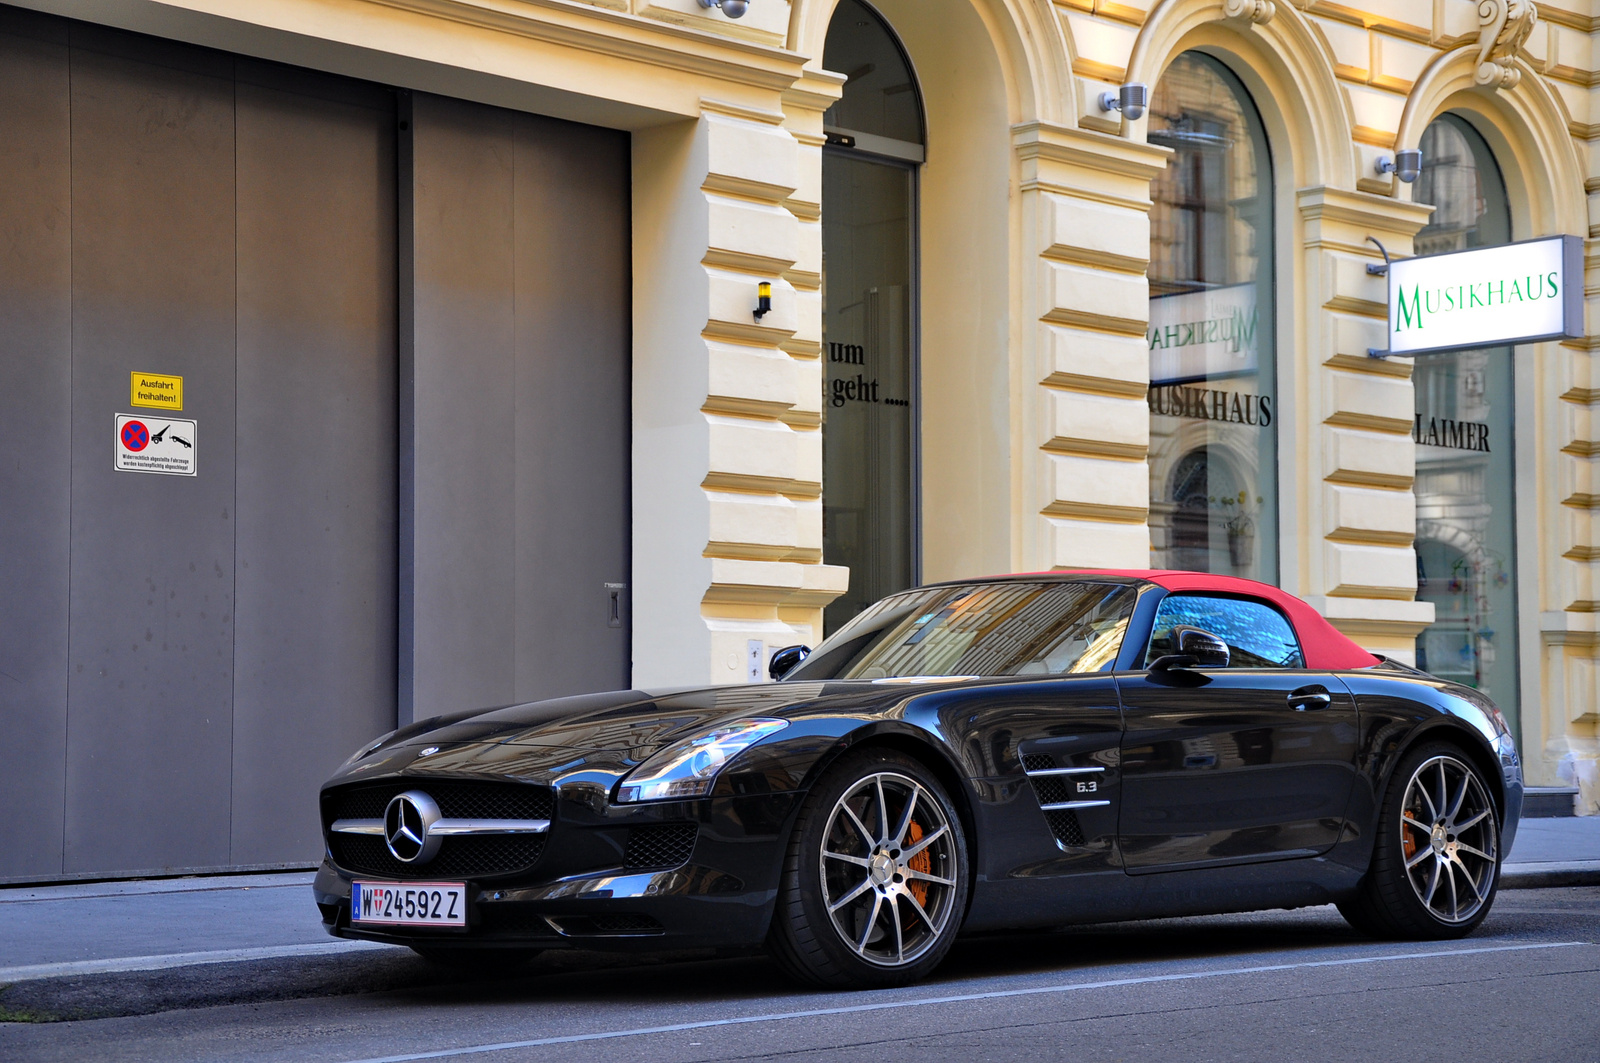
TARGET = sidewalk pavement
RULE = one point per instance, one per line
(1554, 851)
(110, 927)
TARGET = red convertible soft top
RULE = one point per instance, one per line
(1324, 645)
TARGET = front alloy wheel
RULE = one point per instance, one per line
(1448, 838)
(885, 837)
(1436, 857)
(875, 880)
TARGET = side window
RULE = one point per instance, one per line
(1258, 636)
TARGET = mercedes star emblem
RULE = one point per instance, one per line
(407, 827)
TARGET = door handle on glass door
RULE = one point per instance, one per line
(1310, 698)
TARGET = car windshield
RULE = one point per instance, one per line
(1013, 628)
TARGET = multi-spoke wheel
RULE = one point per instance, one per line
(875, 881)
(1436, 859)
(1448, 836)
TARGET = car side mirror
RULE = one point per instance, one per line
(786, 660)
(1197, 648)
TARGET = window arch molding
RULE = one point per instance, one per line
(1286, 69)
(1526, 129)
(1034, 45)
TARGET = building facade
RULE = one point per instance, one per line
(488, 405)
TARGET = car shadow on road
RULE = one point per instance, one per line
(619, 978)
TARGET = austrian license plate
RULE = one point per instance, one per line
(408, 904)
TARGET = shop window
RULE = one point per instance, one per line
(1465, 485)
(869, 402)
(1213, 412)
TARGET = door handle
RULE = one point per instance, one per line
(1310, 698)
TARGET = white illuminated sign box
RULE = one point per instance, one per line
(1487, 297)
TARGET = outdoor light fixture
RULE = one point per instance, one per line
(731, 8)
(1406, 164)
(763, 296)
(1131, 99)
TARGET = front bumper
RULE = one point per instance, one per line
(722, 897)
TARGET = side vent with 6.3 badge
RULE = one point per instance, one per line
(1061, 791)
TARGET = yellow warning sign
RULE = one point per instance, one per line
(157, 391)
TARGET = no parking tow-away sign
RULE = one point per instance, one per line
(162, 445)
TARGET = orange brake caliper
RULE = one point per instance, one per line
(922, 862)
(1408, 840)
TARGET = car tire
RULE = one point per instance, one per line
(483, 961)
(873, 892)
(1436, 859)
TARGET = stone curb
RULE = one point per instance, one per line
(1546, 876)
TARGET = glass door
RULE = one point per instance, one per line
(869, 307)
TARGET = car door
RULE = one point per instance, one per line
(1251, 761)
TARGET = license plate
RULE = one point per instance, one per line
(408, 904)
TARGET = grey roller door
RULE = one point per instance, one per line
(457, 638)
(515, 409)
(573, 246)
(150, 696)
(184, 658)
(314, 658)
(35, 437)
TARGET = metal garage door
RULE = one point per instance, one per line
(184, 658)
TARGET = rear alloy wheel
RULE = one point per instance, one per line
(875, 882)
(1436, 861)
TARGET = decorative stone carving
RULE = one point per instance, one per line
(1258, 11)
(1503, 26)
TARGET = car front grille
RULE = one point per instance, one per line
(662, 847)
(466, 856)
(480, 856)
(457, 798)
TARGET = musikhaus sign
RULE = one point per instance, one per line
(1486, 297)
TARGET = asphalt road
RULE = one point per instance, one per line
(1270, 986)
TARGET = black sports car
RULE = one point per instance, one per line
(1023, 751)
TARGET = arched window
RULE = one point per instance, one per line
(1466, 503)
(1213, 366)
(869, 408)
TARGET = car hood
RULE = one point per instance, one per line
(615, 730)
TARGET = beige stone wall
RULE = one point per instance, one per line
(1034, 250)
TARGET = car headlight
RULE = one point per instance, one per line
(690, 767)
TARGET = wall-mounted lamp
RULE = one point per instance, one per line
(731, 8)
(1131, 99)
(763, 299)
(1406, 164)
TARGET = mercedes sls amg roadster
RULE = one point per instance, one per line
(1025, 751)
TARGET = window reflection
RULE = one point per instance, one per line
(1213, 490)
(1466, 510)
(1048, 628)
(1258, 636)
